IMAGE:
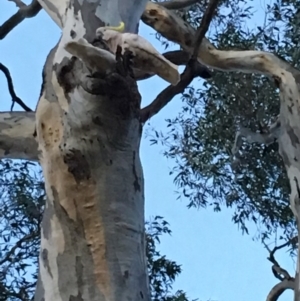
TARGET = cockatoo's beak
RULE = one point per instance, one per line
(119, 28)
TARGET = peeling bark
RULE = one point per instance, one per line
(88, 133)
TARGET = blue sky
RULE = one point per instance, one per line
(218, 262)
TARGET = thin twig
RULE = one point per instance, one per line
(16, 246)
(277, 270)
(204, 25)
(192, 70)
(27, 11)
(15, 98)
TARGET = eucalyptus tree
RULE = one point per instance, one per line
(86, 129)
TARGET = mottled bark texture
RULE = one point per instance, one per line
(88, 133)
(17, 137)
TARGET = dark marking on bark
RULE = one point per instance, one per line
(297, 186)
(97, 120)
(295, 159)
(65, 74)
(44, 256)
(294, 138)
(290, 91)
(290, 109)
(77, 165)
(142, 295)
(126, 274)
(73, 34)
(277, 81)
(136, 184)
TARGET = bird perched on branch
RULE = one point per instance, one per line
(145, 56)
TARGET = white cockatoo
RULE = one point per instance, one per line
(145, 56)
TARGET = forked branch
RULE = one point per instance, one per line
(15, 98)
(189, 73)
(286, 281)
(25, 11)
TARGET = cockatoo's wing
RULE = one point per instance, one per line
(96, 59)
(148, 59)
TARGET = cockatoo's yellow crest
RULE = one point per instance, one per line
(119, 28)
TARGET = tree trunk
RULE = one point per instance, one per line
(92, 242)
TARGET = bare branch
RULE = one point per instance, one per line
(192, 70)
(287, 282)
(178, 4)
(26, 11)
(18, 3)
(17, 139)
(15, 98)
(279, 288)
(204, 25)
(177, 57)
(167, 94)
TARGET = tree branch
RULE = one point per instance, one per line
(18, 3)
(279, 288)
(167, 94)
(177, 57)
(15, 98)
(192, 70)
(286, 281)
(173, 28)
(25, 11)
(178, 4)
(17, 139)
(204, 25)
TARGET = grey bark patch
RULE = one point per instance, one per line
(44, 256)
(46, 222)
(40, 291)
(47, 85)
(77, 165)
(91, 21)
(285, 158)
(136, 184)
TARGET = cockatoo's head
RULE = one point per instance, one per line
(101, 30)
